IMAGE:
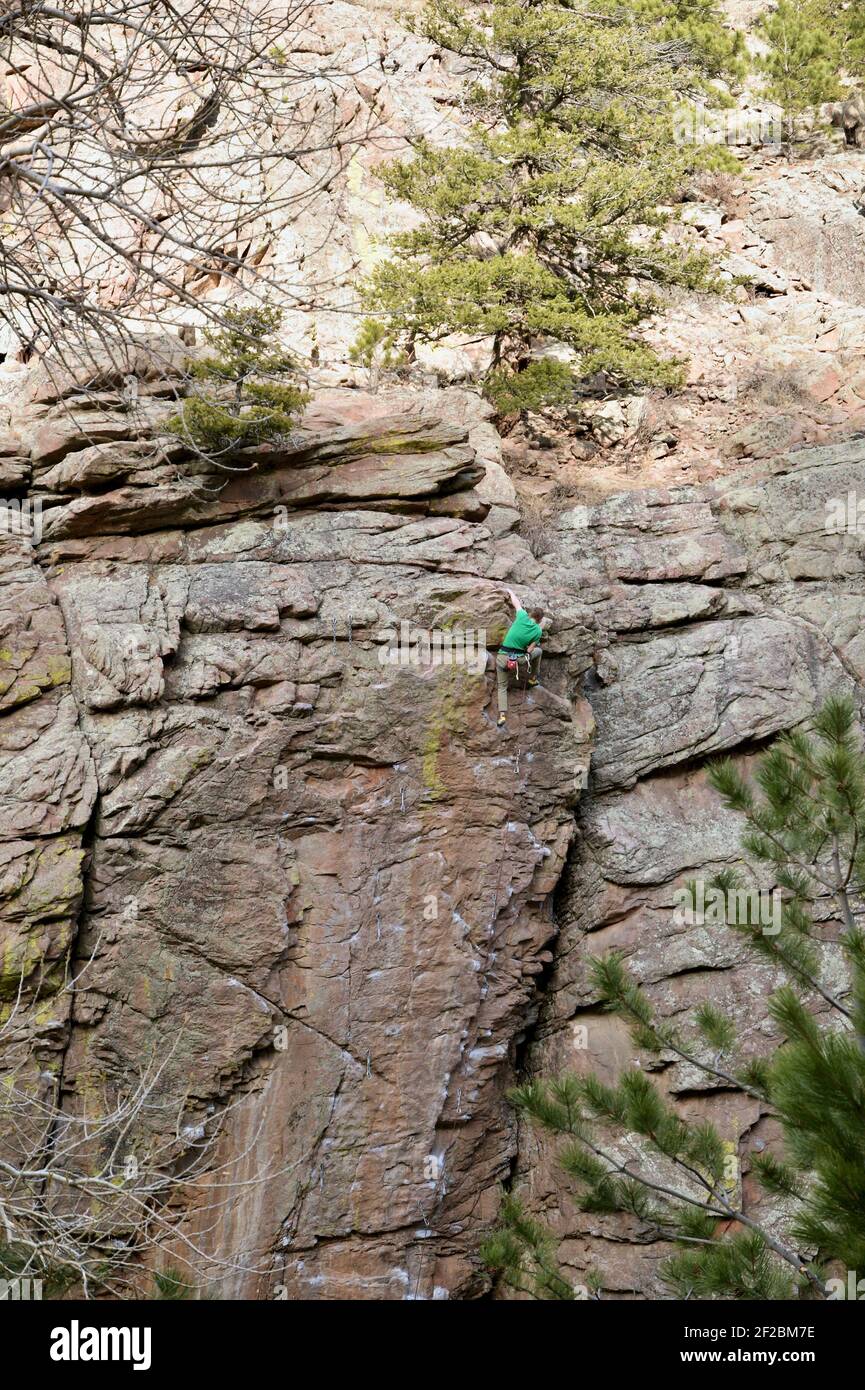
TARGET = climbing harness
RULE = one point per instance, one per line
(513, 660)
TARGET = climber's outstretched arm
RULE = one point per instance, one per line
(514, 600)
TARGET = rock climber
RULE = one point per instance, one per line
(521, 644)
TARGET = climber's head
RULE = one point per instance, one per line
(537, 614)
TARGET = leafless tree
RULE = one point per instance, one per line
(147, 150)
(94, 1187)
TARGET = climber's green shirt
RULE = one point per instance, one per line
(522, 632)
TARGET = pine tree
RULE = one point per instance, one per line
(845, 22)
(253, 402)
(19, 1262)
(375, 348)
(804, 816)
(804, 55)
(850, 20)
(697, 27)
(546, 224)
(170, 1284)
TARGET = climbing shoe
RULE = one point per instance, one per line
(533, 682)
(502, 721)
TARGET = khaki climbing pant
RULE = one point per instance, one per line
(502, 674)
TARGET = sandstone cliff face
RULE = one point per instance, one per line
(338, 907)
(307, 879)
(731, 613)
(313, 879)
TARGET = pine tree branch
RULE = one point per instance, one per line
(782, 1251)
(843, 901)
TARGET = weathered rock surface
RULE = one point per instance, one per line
(313, 878)
(767, 623)
(316, 884)
(777, 363)
(340, 908)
